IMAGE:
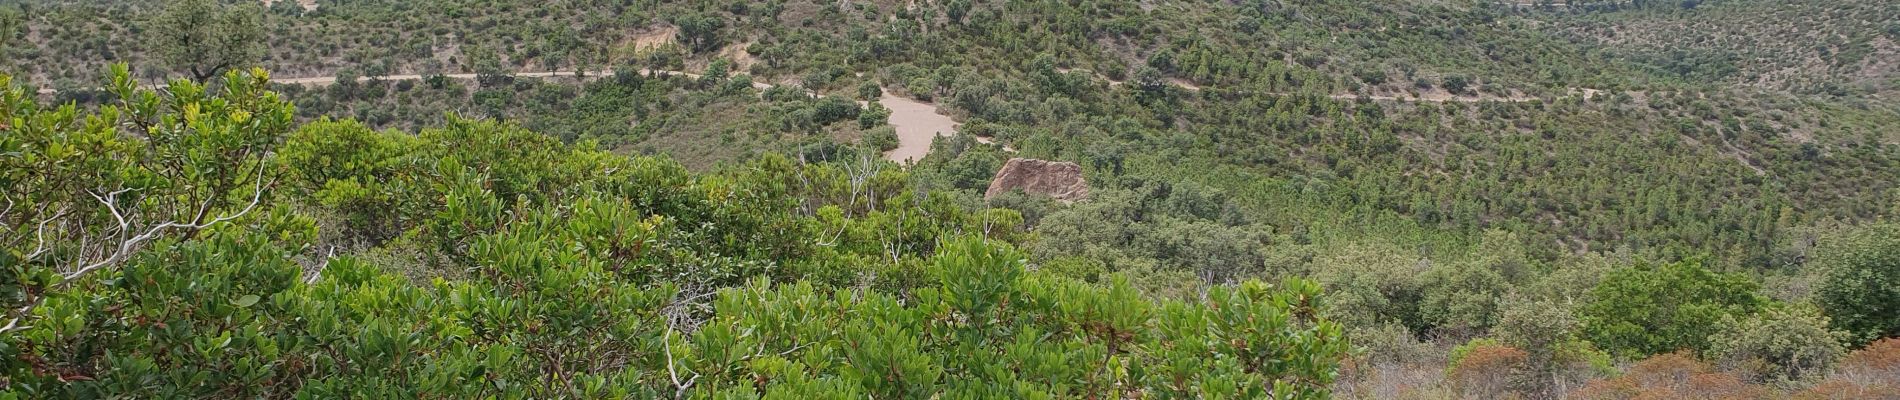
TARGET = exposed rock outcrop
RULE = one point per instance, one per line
(1058, 179)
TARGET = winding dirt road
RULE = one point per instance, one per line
(330, 80)
(917, 123)
(1435, 96)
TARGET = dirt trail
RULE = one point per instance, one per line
(327, 80)
(1436, 96)
(917, 123)
(330, 80)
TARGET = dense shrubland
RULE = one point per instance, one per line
(482, 259)
(1284, 45)
(699, 122)
(1715, 222)
(1329, 46)
(1810, 47)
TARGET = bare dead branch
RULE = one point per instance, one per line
(39, 235)
(679, 388)
(126, 246)
(318, 271)
(13, 323)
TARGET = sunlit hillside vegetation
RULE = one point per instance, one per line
(612, 199)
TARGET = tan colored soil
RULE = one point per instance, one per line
(308, 5)
(656, 37)
(917, 124)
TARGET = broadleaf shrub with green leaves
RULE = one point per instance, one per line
(481, 260)
(1661, 308)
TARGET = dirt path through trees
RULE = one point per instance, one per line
(1435, 95)
(917, 123)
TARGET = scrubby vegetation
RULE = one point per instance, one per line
(1399, 199)
(493, 261)
(1819, 47)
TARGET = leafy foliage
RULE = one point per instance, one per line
(85, 192)
(1861, 285)
(1782, 344)
(1446, 170)
(205, 38)
(543, 269)
(1555, 357)
(1660, 308)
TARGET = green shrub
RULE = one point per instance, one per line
(870, 91)
(1860, 285)
(874, 115)
(566, 271)
(1779, 345)
(1659, 308)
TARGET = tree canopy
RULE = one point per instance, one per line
(516, 266)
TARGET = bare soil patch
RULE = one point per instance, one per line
(656, 37)
(917, 124)
(308, 5)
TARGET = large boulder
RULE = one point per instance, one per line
(1061, 180)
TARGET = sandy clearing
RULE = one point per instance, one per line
(659, 36)
(917, 124)
(742, 61)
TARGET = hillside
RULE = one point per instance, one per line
(1807, 47)
(610, 199)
